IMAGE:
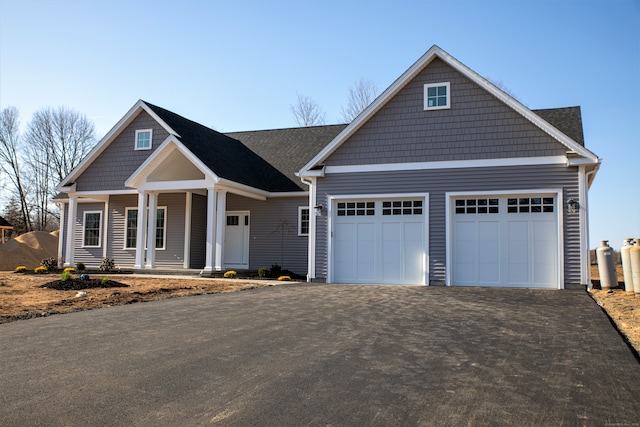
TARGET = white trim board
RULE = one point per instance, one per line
(448, 164)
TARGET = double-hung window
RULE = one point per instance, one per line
(92, 229)
(437, 96)
(143, 139)
(131, 233)
(303, 221)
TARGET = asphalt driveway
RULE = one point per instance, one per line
(324, 355)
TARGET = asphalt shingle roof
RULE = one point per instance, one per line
(567, 120)
(228, 158)
(4, 223)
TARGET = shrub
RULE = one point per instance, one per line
(41, 269)
(80, 266)
(106, 264)
(66, 275)
(284, 278)
(230, 274)
(21, 269)
(263, 272)
(276, 271)
(69, 270)
(105, 280)
(50, 263)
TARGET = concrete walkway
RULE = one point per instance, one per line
(324, 355)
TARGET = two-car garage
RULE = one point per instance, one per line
(508, 240)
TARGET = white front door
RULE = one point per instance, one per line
(509, 241)
(236, 240)
(379, 241)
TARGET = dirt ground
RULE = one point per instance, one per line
(21, 296)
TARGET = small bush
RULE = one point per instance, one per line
(230, 274)
(263, 272)
(41, 269)
(50, 263)
(21, 269)
(284, 278)
(275, 271)
(66, 275)
(106, 264)
(69, 270)
(80, 266)
(105, 280)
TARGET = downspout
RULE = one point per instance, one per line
(311, 257)
(589, 176)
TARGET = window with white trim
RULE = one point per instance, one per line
(437, 96)
(143, 139)
(131, 232)
(92, 229)
(303, 221)
(477, 206)
(530, 205)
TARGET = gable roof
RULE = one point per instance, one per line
(226, 157)
(288, 149)
(568, 120)
(4, 223)
(538, 120)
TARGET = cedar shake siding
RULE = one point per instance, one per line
(440, 181)
(477, 126)
(120, 159)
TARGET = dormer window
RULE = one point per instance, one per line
(143, 139)
(437, 96)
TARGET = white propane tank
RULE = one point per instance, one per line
(606, 266)
(625, 256)
(635, 266)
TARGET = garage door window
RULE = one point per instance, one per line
(477, 206)
(402, 207)
(530, 205)
(356, 208)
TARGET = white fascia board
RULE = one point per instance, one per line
(161, 153)
(242, 189)
(408, 75)
(312, 173)
(448, 164)
(181, 185)
(109, 137)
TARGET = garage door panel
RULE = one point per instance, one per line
(385, 240)
(505, 241)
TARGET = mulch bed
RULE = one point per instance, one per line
(79, 284)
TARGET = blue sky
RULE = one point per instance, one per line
(239, 65)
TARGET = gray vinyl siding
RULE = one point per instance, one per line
(119, 160)
(477, 126)
(273, 237)
(437, 183)
(173, 254)
(198, 231)
(124, 258)
(90, 257)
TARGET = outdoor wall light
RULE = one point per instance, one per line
(572, 206)
(317, 210)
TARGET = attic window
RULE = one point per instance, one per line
(437, 96)
(143, 139)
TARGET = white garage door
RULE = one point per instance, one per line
(505, 241)
(379, 241)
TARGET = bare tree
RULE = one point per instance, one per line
(361, 94)
(307, 112)
(57, 140)
(10, 162)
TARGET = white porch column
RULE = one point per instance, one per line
(71, 230)
(211, 229)
(63, 231)
(151, 230)
(221, 221)
(187, 229)
(142, 209)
